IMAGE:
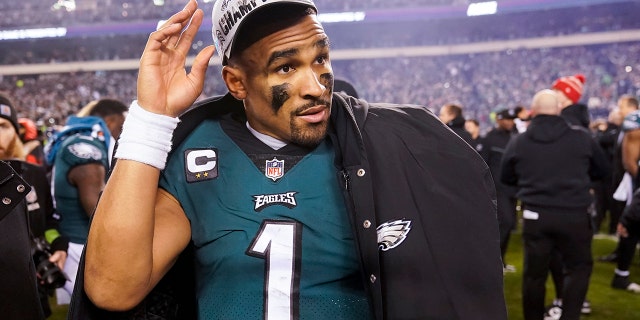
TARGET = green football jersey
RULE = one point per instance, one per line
(270, 244)
(75, 150)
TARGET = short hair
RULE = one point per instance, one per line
(475, 121)
(106, 107)
(454, 109)
(633, 101)
(270, 19)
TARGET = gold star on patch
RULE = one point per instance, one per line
(206, 174)
(197, 175)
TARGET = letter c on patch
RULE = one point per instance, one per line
(201, 160)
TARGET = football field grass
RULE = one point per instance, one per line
(606, 303)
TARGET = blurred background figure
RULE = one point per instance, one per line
(523, 117)
(31, 138)
(569, 90)
(630, 155)
(80, 155)
(606, 134)
(552, 165)
(473, 127)
(493, 147)
(451, 115)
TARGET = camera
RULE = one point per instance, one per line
(50, 275)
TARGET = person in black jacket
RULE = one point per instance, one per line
(569, 90)
(553, 165)
(493, 146)
(451, 115)
(387, 205)
(18, 293)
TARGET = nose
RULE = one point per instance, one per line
(311, 85)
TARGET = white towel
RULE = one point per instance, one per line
(624, 192)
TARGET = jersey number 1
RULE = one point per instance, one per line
(278, 242)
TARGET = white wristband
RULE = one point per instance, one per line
(146, 137)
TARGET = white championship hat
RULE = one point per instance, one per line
(228, 15)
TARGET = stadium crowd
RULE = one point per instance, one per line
(481, 82)
(487, 85)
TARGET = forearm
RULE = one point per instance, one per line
(119, 253)
(631, 152)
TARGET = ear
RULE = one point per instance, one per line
(234, 79)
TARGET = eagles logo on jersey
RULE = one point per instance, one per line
(392, 233)
(84, 150)
(287, 199)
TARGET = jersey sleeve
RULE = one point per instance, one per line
(79, 150)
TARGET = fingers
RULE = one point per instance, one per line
(189, 34)
(622, 231)
(200, 64)
(169, 33)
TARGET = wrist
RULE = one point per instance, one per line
(146, 137)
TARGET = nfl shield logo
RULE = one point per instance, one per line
(274, 169)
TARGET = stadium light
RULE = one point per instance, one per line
(482, 8)
(68, 5)
(33, 33)
(341, 17)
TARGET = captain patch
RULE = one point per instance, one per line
(84, 150)
(200, 164)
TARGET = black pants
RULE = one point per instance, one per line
(569, 232)
(506, 219)
(626, 250)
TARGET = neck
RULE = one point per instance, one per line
(272, 142)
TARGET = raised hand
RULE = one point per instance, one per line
(164, 86)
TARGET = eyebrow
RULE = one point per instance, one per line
(322, 43)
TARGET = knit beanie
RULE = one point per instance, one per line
(8, 112)
(571, 86)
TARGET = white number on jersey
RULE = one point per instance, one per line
(278, 242)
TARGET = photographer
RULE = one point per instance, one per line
(48, 248)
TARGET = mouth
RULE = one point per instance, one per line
(314, 114)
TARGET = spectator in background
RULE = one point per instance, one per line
(606, 134)
(80, 155)
(552, 166)
(451, 115)
(43, 220)
(630, 156)
(523, 117)
(493, 146)
(569, 90)
(627, 104)
(473, 127)
(30, 136)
